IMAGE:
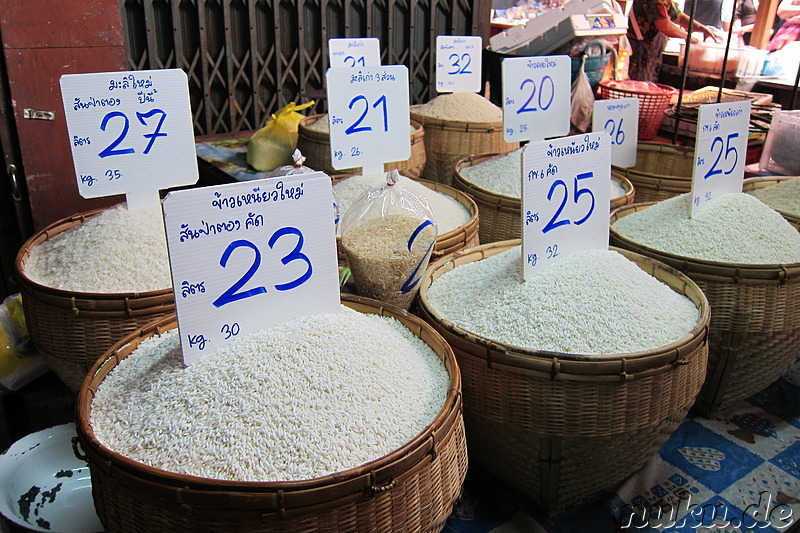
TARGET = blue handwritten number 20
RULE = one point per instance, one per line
(232, 294)
(728, 149)
(112, 149)
(542, 105)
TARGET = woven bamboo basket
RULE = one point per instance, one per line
(411, 489)
(754, 333)
(559, 427)
(73, 329)
(661, 171)
(500, 214)
(465, 236)
(316, 147)
(447, 141)
(754, 184)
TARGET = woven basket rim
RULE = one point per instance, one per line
(759, 182)
(69, 296)
(655, 147)
(617, 362)
(736, 271)
(406, 453)
(473, 160)
(454, 125)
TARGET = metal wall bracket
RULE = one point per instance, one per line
(38, 114)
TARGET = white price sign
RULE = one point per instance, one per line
(131, 133)
(369, 116)
(536, 97)
(719, 151)
(458, 64)
(619, 118)
(566, 189)
(249, 255)
(354, 53)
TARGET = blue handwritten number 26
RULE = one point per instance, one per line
(112, 149)
(233, 294)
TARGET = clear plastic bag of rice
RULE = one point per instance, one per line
(387, 236)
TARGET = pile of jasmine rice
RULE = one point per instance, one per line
(502, 175)
(593, 302)
(461, 107)
(732, 228)
(115, 251)
(317, 395)
(784, 196)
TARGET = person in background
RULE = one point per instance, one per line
(789, 30)
(744, 19)
(708, 12)
(651, 23)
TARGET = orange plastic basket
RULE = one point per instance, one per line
(654, 100)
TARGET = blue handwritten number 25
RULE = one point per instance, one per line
(112, 149)
(553, 223)
(232, 294)
(713, 171)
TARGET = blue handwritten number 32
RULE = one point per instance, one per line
(112, 149)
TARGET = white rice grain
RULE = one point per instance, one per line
(783, 196)
(313, 396)
(461, 107)
(594, 302)
(116, 251)
(732, 228)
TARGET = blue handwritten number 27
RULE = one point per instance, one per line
(233, 294)
(112, 149)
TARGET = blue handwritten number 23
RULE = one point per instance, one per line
(232, 294)
(112, 149)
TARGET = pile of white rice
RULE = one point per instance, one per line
(461, 107)
(783, 196)
(316, 395)
(593, 302)
(449, 213)
(732, 228)
(502, 175)
(115, 251)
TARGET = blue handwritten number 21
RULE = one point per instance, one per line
(232, 294)
(112, 149)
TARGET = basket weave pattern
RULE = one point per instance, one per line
(411, 489)
(446, 142)
(540, 421)
(661, 171)
(754, 333)
(72, 329)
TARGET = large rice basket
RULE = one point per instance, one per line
(500, 215)
(661, 171)
(411, 489)
(447, 141)
(762, 182)
(754, 332)
(559, 427)
(73, 329)
(315, 145)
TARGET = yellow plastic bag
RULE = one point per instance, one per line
(272, 145)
